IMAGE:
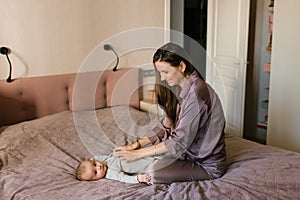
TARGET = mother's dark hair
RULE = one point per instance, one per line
(167, 95)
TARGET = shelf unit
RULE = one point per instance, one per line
(262, 120)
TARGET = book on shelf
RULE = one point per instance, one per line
(263, 125)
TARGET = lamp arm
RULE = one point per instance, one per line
(115, 68)
(5, 51)
(109, 47)
(10, 70)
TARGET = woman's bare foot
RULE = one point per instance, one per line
(144, 178)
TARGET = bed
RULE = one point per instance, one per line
(44, 135)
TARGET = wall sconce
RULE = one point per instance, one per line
(108, 47)
(6, 51)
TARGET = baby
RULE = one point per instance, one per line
(99, 167)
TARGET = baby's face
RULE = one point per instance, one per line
(94, 169)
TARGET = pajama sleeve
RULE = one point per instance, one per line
(121, 176)
(160, 132)
(193, 114)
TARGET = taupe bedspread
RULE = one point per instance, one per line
(39, 157)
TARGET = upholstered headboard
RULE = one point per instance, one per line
(30, 98)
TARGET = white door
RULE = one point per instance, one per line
(227, 40)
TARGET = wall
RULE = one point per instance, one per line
(284, 109)
(54, 36)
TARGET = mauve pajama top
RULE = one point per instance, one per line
(198, 134)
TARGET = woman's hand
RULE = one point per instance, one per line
(124, 148)
(137, 145)
(133, 146)
(132, 155)
(127, 155)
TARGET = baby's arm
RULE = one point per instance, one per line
(123, 177)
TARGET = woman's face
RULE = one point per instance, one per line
(172, 75)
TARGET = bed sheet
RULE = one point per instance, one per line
(39, 157)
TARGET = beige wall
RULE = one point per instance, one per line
(55, 36)
(284, 106)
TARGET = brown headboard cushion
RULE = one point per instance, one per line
(30, 98)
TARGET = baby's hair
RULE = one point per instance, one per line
(80, 170)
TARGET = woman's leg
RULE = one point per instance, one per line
(179, 171)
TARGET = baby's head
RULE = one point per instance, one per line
(90, 170)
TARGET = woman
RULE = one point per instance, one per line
(193, 129)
